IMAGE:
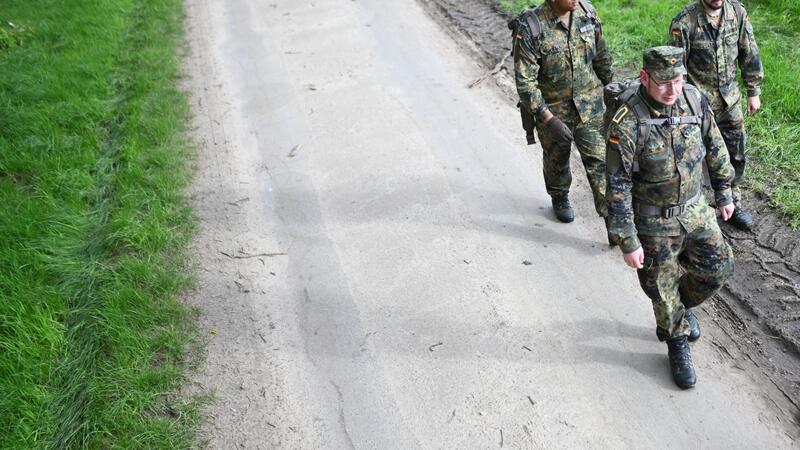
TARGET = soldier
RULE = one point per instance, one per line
(562, 63)
(657, 142)
(716, 35)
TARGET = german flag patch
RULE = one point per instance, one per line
(613, 140)
(676, 31)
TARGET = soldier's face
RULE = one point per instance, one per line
(564, 6)
(665, 92)
(713, 4)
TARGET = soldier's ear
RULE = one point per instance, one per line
(643, 77)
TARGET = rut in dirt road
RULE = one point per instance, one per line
(364, 219)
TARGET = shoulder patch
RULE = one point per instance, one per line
(613, 140)
(620, 114)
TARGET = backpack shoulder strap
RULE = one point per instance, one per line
(738, 8)
(642, 115)
(588, 8)
(533, 24)
(644, 121)
(692, 13)
(695, 100)
(631, 102)
(528, 20)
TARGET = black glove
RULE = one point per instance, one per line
(559, 130)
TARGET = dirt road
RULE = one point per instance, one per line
(380, 267)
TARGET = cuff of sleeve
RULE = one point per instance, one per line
(754, 91)
(723, 198)
(629, 244)
(540, 114)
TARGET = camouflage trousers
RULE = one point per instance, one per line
(731, 124)
(683, 271)
(592, 148)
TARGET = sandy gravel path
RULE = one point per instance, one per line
(380, 268)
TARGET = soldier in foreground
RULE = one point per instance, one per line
(716, 35)
(657, 142)
(562, 63)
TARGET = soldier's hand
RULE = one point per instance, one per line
(726, 211)
(559, 130)
(753, 105)
(634, 259)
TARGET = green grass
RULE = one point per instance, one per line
(93, 341)
(774, 133)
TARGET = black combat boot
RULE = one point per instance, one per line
(563, 209)
(741, 219)
(680, 362)
(694, 325)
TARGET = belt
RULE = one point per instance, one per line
(664, 211)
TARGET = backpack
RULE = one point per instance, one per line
(620, 98)
(532, 20)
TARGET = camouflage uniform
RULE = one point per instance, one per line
(670, 173)
(712, 55)
(563, 70)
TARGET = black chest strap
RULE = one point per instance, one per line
(644, 121)
(666, 121)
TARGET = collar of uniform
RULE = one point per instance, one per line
(702, 20)
(681, 105)
(551, 16)
(727, 13)
(655, 108)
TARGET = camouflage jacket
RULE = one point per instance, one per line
(670, 171)
(712, 55)
(561, 65)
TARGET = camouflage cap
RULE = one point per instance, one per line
(665, 62)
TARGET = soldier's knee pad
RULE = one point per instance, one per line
(724, 271)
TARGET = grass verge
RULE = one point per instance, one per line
(94, 226)
(774, 133)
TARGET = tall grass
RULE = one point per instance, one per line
(93, 226)
(774, 133)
